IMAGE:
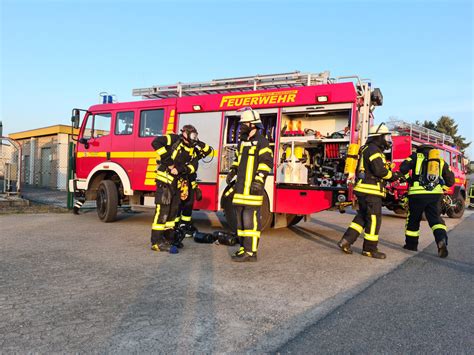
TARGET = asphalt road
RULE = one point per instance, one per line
(74, 284)
(426, 305)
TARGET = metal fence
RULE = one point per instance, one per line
(10, 166)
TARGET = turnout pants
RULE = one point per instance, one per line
(430, 205)
(162, 229)
(185, 209)
(368, 220)
(248, 227)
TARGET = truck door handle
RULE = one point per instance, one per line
(303, 193)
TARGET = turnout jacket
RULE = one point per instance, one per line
(416, 163)
(253, 162)
(371, 171)
(171, 151)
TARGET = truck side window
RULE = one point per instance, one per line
(102, 123)
(448, 157)
(124, 123)
(151, 123)
(97, 125)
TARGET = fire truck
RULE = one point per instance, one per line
(309, 119)
(405, 138)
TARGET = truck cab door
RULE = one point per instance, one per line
(94, 143)
(151, 122)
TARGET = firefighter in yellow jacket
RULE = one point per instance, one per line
(176, 160)
(429, 173)
(372, 173)
(253, 162)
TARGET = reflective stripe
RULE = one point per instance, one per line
(191, 168)
(255, 225)
(438, 226)
(412, 233)
(369, 189)
(170, 224)
(373, 224)
(265, 150)
(377, 155)
(158, 227)
(168, 139)
(164, 176)
(249, 170)
(371, 237)
(416, 189)
(249, 197)
(419, 160)
(186, 218)
(249, 233)
(246, 202)
(408, 159)
(229, 192)
(357, 227)
(264, 167)
(177, 219)
(157, 213)
(194, 184)
(161, 151)
(259, 178)
(388, 176)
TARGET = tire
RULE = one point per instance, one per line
(107, 201)
(231, 218)
(293, 219)
(457, 211)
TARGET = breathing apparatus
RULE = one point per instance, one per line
(189, 135)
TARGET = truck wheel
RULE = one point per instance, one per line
(458, 209)
(231, 218)
(107, 201)
(293, 219)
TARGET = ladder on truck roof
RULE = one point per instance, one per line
(420, 134)
(239, 84)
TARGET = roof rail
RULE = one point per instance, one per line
(420, 133)
(239, 84)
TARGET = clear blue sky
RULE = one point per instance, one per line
(56, 55)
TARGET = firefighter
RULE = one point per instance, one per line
(176, 159)
(429, 172)
(183, 219)
(253, 162)
(372, 173)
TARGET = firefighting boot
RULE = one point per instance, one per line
(374, 254)
(410, 247)
(239, 251)
(178, 237)
(246, 256)
(411, 243)
(442, 249)
(345, 246)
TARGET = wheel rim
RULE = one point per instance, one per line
(458, 207)
(101, 202)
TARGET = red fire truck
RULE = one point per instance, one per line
(405, 138)
(309, 119)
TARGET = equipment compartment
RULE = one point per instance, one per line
(313, 147)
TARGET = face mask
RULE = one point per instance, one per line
(244, 131)
(387, 141)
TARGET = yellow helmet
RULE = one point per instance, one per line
(378, 130)
(249, 115)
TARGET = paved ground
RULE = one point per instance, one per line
(71, 283)
(424, 306)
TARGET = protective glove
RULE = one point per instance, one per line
(256, 188)
(396, 176)
(201, 145)
(230, 176)
(198, 194)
